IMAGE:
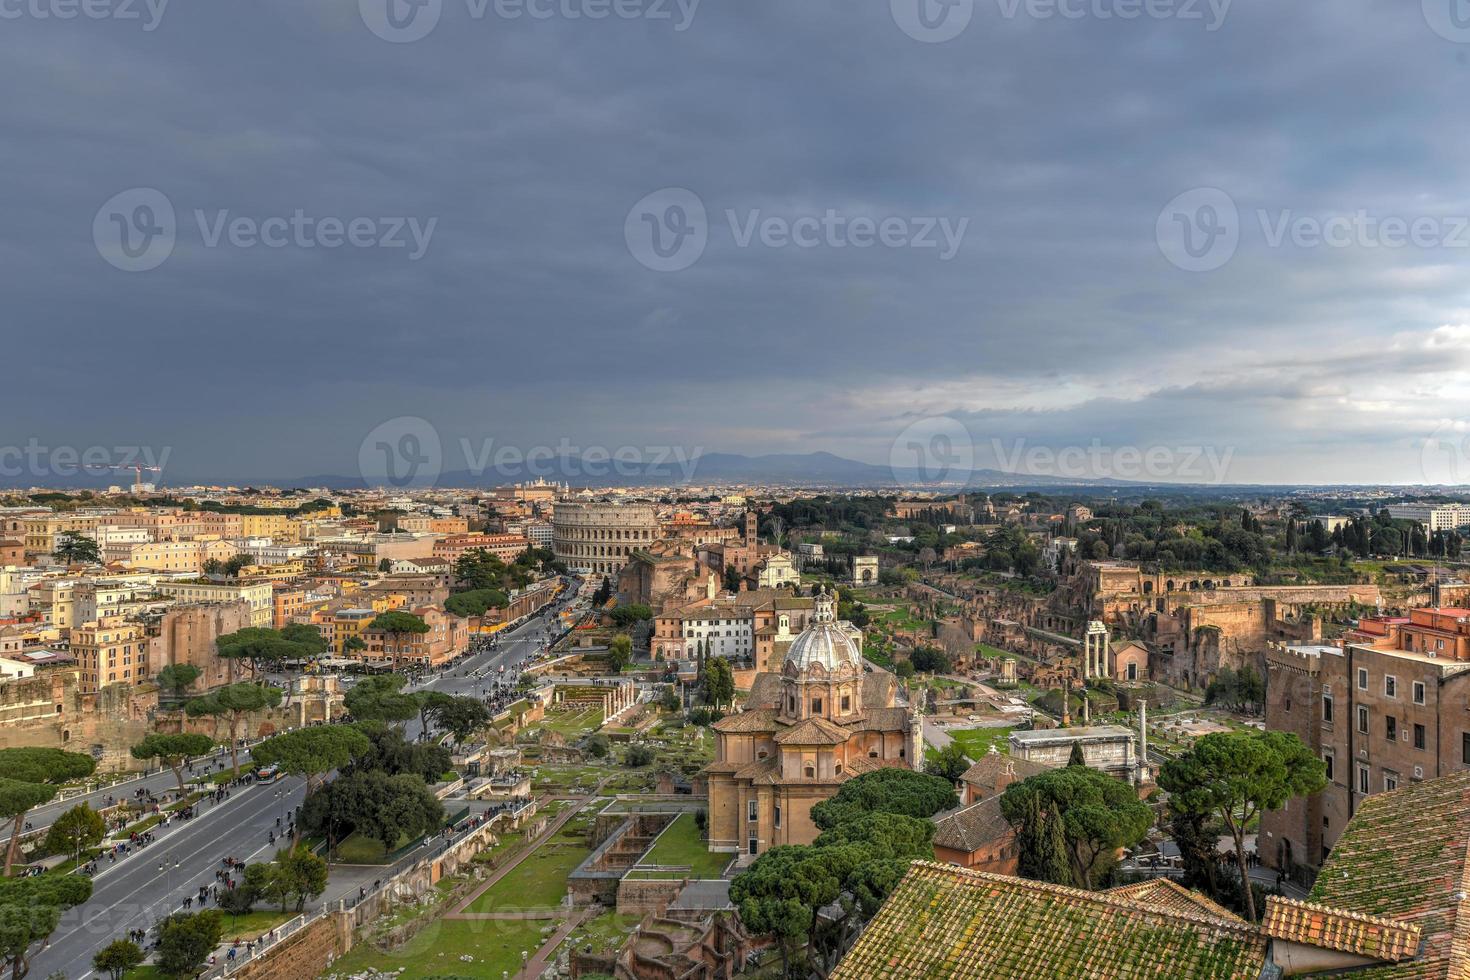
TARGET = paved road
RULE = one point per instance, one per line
(134, 894)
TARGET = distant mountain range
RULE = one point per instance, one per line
(819, 469)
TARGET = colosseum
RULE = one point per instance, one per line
(596, 538)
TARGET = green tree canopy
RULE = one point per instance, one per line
(232, 703)
(1098, 814)
(462, 717)
(173, 751)
(77, 549)
(371, 802)
(949, 763)
(717, 687)
(619, 653)
(30, 911)
(176, 678)
(30, 777)
(78, 828)
(475, 602)
(1236, 776)
(117, 958)
(185, 942)
(260, 647)
(313, 752)
(888, 790)
(381, 698)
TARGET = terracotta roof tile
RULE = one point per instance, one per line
(951, 923)
(1317, 925)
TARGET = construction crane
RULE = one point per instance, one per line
(138, 470)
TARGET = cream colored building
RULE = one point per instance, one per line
(112, 651)
(258, 596)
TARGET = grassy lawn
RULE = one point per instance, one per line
(254, 923)
(681, 846)
(144, 973)
(495, 945)
(573, 723)
(538, 882)
(977, 741)
(358, 849)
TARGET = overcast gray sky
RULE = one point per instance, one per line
(1009, 230)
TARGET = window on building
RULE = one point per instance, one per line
(1362, 678)
(1419, 736)
(816, 706)
(1326, 707)
(1363, 719)
(1362, 779)
(752, 845)
(778, 814)
(752, 811)
(1418, 692)
(1327, 761)
(1465, 748)
(1390, 781)
(811, 771)
(846, 702)
(1390, 686)
(1391, 728)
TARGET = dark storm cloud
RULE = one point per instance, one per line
(1056, 140)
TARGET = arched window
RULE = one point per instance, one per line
(811, 771)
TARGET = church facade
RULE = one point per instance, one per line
(806, 728)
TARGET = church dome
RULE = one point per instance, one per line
(823, 642)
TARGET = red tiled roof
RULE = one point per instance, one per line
(1317, 925)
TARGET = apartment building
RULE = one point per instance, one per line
(506, 547)
(188, 557)
(1388, 708)
(257, 595)
(42, 531)
(1435, 517)
(111, 651)
(447, 638)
